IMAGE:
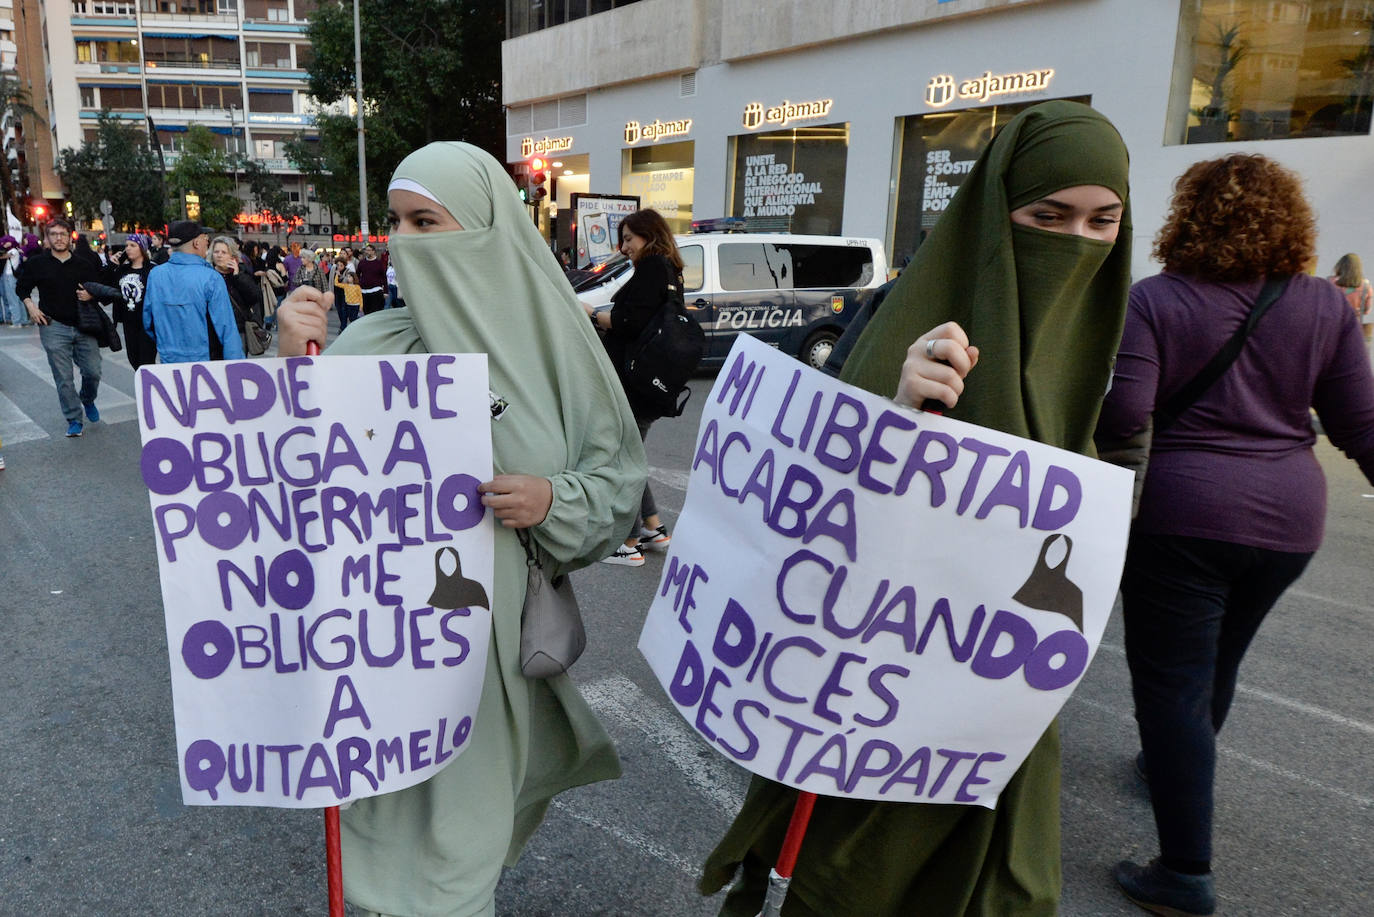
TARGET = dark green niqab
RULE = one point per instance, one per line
(1045, 309)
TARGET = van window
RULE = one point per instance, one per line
(693, 268)
(827, 266)
(754, 266)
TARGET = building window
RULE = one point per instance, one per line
(103, 7)
(197, 97)
(525, 16)
(88, 97)
(121, 98)
(181, 7)
(205, 52)
(272, 54)
(662, 176)
(791, 180)
(1251, 70)
(267, 10)
(123, 50)
(273, 102)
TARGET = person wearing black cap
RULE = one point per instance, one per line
(186, 309)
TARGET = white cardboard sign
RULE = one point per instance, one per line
(863, 600)
(326, 568)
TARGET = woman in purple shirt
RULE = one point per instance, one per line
(1234, 501)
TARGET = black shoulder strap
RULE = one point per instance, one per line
(1184, 397)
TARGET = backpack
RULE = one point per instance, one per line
(659, 364)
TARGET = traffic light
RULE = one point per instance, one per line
(535, 179)
(39, 209)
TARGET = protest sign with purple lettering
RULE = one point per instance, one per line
(326, 564)
(863, 600)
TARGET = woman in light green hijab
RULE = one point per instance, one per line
(478, 278)
(1031, 261)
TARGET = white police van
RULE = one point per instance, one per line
(794, 292)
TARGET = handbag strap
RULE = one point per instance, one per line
(1183, 399)
(531, 556)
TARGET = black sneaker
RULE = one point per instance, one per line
(1160, 890)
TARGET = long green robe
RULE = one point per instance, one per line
(1046, 311)
(495, 288)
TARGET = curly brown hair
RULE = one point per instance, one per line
(1237, 218)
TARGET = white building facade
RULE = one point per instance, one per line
(238, 67)
(858, 118)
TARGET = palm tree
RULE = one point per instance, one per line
(15, 105)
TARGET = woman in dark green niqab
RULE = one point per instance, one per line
(1030, 262)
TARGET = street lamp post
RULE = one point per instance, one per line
(362, 142)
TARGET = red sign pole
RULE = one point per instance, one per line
(333, 855)
(780, 876)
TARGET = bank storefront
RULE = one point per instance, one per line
(872, 136)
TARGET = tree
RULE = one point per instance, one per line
(267, 195)
(14, 102)
(431, 71)
(204, 169)
(116, 165)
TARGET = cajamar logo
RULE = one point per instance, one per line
(635, 132)
(529, 146)
(785, 113)
(941, 89)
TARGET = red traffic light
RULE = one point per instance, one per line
(40, 211)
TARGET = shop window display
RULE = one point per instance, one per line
(1250, 70)
(790, 180)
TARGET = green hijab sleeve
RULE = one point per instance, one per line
(1045, 309)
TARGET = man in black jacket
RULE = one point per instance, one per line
(58, 274)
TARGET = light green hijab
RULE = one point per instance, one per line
(1045, 309)
(494, 287)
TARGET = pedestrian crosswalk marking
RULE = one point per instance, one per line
(16, 426)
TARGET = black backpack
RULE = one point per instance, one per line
(659, 364)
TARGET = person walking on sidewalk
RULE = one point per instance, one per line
(372, 278)
(646, 240)
(11, 309)
(127, 276)
(58, 275)
(187, 309)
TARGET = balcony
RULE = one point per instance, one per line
(191, 64)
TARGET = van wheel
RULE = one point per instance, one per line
(817, 348)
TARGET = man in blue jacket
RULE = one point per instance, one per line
(186, 308)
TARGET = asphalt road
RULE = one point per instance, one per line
(92, 823)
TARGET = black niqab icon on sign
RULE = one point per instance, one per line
(454, 590)
(1048, 588)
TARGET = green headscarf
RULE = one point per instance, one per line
(1045, 309)
(494, 287)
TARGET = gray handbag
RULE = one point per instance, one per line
(551, 632)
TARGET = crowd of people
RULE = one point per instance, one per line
(176, 296)
(1048, 339)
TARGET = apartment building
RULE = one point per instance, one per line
(238, 67)
(859, 118)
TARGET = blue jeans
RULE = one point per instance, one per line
(1191, 607)
(65, 346)
(11, 307)
(390, 296)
